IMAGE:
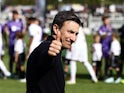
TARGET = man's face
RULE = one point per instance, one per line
(106, 21)
(69, 32)
(15, 16)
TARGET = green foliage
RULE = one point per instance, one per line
(53, 2)
(20, 2)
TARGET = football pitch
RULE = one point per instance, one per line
(83, 84)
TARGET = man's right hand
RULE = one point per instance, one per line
(55, 46)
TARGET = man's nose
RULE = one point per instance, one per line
(73, 37)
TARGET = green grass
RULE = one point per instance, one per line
(12, 86)
(83, 85)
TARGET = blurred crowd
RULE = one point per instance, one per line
(106, 50)
(14, 32)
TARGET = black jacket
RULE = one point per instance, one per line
(44, 73)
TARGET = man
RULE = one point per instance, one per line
(35, 35)
(11, 27)
(121, 33)
(44, 68)
(105, 32)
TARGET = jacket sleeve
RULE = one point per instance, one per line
(45, 60)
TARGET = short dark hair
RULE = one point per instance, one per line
(63, 16)
(96, 35)
(115, 34)
(15, 12)
(19, 34)
(104, 17)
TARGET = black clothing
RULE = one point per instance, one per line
(44, 73)
(115, 62)
(21, 59)
(121, 32)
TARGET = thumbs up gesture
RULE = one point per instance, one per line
(55, 46)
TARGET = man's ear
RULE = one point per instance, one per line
(55, 28)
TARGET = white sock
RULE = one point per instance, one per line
(4, 69)
(73, 69)
(90, 70)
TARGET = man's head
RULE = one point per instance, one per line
(67, 24)
(15, 14)
(106, 20)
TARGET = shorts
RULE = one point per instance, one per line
(80, 53)
(65, 61)
(21, 59)
(115, 62)
(68, 54)
(98, 64)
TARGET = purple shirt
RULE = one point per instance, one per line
(106, 41)
(13, 27)
(1, 28)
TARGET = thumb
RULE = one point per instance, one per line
(58, 36)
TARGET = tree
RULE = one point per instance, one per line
(89, 2)
(19, 2)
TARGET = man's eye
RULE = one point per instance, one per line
(76, 34)
(71, 32)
